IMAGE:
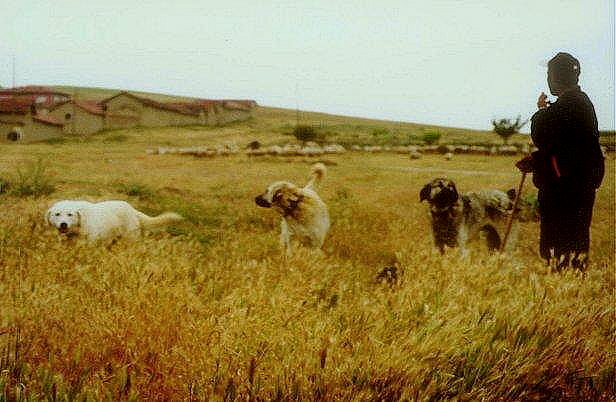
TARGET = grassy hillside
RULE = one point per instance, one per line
(271, 122)
(98, 94)
(209, 309)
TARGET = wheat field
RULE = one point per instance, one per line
(209, 309)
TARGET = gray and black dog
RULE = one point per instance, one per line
(456, 218)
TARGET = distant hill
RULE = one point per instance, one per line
(335, 128)
(98, 94)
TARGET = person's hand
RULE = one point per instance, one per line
(542, 102)
(526, 164)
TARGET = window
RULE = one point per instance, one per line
(67, 116)
(12, 136)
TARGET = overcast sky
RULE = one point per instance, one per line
(451, 63)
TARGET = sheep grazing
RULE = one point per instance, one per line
(415, 155)
(334, 149)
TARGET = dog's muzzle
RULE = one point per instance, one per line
(262, 202)
(63, 228)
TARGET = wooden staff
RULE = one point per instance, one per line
(515, 208)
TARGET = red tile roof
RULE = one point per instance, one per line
(15, 105)
(91, 107)
(238, 104)
(245, 102)
(47, 119)
(177, 107)
(32, 90)
(188, 107)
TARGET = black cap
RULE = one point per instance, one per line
(564, 68)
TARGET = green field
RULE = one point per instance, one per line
(209, 309)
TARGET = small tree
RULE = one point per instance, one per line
(305, 133)
(254, 145)
(505, 128)
(431, 137)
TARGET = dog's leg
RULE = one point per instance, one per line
(285, 237)
(464, 253)
(492, 237)
(462, 239)
(439, 242)
(440, 248)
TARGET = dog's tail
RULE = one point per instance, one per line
(496, 201)
(316, 174)
(148, 222)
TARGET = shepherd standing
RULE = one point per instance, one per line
(568, 166)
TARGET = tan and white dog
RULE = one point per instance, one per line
(103, 221)
(305, 219)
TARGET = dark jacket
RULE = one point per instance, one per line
(567, 137)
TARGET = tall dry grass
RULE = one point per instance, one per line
(210, 310)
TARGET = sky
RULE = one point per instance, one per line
(448, 63)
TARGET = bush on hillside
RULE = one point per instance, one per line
(431, 137)
(505, 128)
(254, 145)
(304, 133)
(136, 190)
(377, 132)
(34, 181)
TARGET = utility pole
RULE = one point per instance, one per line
(296, 104)
(73, 116)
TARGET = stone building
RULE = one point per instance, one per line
(23, 114)
(80, 117)
(32, 113)
(41, 97)
(20, 122)
(125, 110)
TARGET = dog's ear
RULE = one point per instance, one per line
(424, 194)
(48, 216)
(286, 198)
(277, 198)
(452, 193)
(82, 217)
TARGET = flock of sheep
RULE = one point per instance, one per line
(314, 149)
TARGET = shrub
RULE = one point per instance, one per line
(135, 190)
(431, 137)
(380, 132)
(304, 133)
(3, 186)
(254, 145)
(505, 128)
(412, 139)
(33, 181)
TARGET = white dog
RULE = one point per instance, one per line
(105, 220)
(305, 218)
